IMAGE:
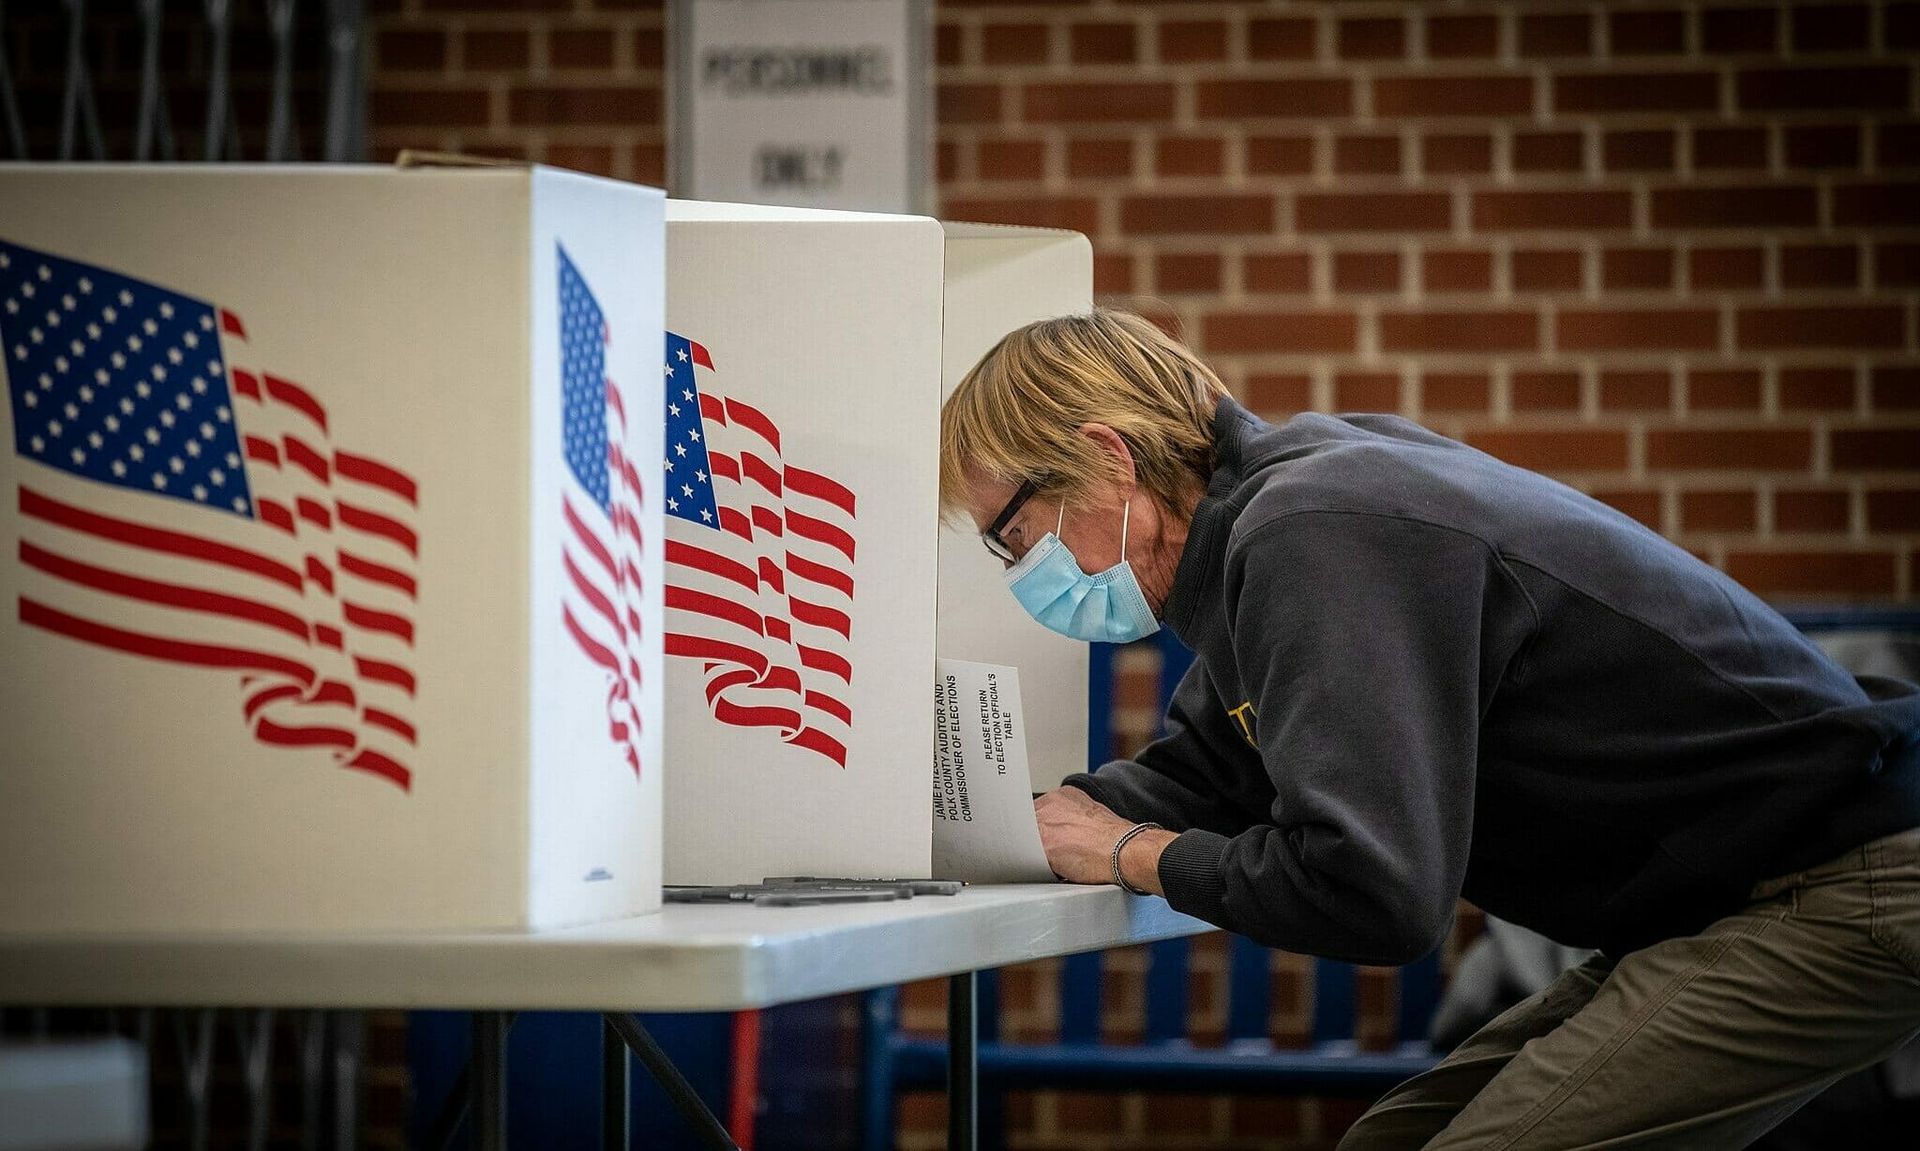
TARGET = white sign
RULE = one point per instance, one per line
(806, 103)
(984, 829)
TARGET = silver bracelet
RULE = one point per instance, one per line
(1114, 860)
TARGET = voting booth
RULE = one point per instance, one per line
(331, 551)
(807, 352)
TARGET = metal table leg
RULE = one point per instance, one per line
(685, 1100)
(616, 1097)
(963, 1063)
(490, 1080)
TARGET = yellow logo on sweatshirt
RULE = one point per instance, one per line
(1244, 715)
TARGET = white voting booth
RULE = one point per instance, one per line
(330, 551)
(807, 355)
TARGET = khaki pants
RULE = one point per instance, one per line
(1702, 1042)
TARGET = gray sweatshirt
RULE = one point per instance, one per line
(1424, 673)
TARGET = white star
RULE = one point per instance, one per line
(53, 319)
(206, 431)
(153, 434)
(86, 393)
(673, 505)
(77, 348)
(159, 481)
(126, 298)
(200, 492)
(233, 459)
(19, 351)
(136, 453)
(93, 331)
(79, 456)
(225, 413)
(701, 476)
(177, 464)
(191, 340)
(109, 313)
(150, 328)
(706, 515)
(118, 360)
(686, 490)
(32, 399)
(668, 367)
(67, 301)
(673, 409)
(200, 384)
(101, 377)
(37, 336)
(119, 467)
(206, 323)
(113, 423)
(134, 344)
(54, 427)
(95, 439)
(45, 273)
(217, 476)
(5, 260)
(126, 406)
(694, 435)
(39, 445)
(158, 372)
(46, 382)
(27, 290)
(60, 364)
(142, 389)
(669, 465)
(213, 367)
(166, 310)
(174, 356)
(13, 307)
(86, 286)
(682, 353)
(193, 448)
(239, 505)
(166, 418)
(687, 394)
(680, 449)
(183, 401)
(72, 410)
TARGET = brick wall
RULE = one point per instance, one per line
(1667, 252)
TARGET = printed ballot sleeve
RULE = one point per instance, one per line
(984, 829)
(331, 555)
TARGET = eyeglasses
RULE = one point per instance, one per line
(991, 537)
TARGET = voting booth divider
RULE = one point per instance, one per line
(330, 557)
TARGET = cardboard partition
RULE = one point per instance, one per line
(330, 565)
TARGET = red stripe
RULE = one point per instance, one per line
(625, 524)
(733, 520)
(165, 594)
(718, 651)
(779, 629)
(759, 715)
(259, 449)
(700, 559)
(373, 473)
(230, 324)
(700, 356)
(780, 679)
(818, 573)
(378, 573)
(302, 453)
(267, 731)
(702, 603)
(755, 421)
(772, 576)
(825, 661)
(819, 487)
(594, 597)
(588, 538)
(723, 465)
(261, 699)
(367, 619)
(820, 701)
(619, 405)
(813, 739)
(298, 398)
(328, 636)
(320, 574)
(820, 531)
(380, 671)
(246, 384)
(768, 521)
(713, 408)
(595, 651)
(823, 617)
(276, 514)
(41, 507)
(39, 615)
(311, 511)
(333, 691)
(371, 761)
(760, 472)
(375, 524)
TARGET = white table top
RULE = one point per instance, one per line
(689, 957)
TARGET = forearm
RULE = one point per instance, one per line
(1140, 859)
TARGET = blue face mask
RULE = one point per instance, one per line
(1108, 607)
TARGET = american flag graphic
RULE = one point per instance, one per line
(759, 566)
(601, 505)
(292, 564)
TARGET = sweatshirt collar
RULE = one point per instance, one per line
(1194, 607)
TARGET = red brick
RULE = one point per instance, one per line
(1810, 511)
(411, 49)
(1896, 389)
(1455, 392)
(1366, 271)
(1789, 89)
(1646, 269)
(1456, 271)
(1896, 265)
(1264, 1116)
(1897, 510)
(1196, 214)
(428, 107)
(1763, 207)
(1366, 392)
(1279, 155)
(1729, 148)
(1740, 30)
(1112, 273)
(1555, 211)
(619, 104)
(1637, 92)
(1540, 270)
(1080, 213)
(1636, 391)
(1641, 505)
(1726, 268)
(1876, 449)
(1372, 212)
(969, 103)
(1817, 573)
(594, 158)
(649, 48)
(1836, 327)
(1570, 450)
(1285, 39)
(1102, 43)
(1098, 103)
(1877, 205)
(1638, 150)
(1744, 449)
(1723, 390)
(1272, 99)
(1015, 43)
(1556, 34)
(1366, 155)
(1286, 272)
(580, 48)
(1829, 28)
(1427, 96)
(1279, 332)
(514, 6)
(1897, 146)
(1186, 1115)
(946, 160)
(1816, 389)
(1646, 33)
(1459, 331)
(1614, 330)
(1545, 391)
(1381, 38)
(1455, 154)
(1189, 156)
(1823, 266)
(1548, 152)
(1823, 146)
(1187, 272)
(1280, 392)
(1088, 1111)
(1185, 41)
(493, 48)
(1011, 159)
(1462, 37)
(947, 44)
(649, 164)
(1099, 158)
(1729, 511)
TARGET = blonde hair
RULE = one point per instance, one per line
(1016, 414)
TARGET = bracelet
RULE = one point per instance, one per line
(1114, 860)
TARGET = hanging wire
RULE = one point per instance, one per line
(346, 91)
(76, 107)
(155, 124)
(219, 110)
(9, 109)
(283, 140)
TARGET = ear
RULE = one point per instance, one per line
(1110, 442)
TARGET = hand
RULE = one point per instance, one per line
(1078, 833)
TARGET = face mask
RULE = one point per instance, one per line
(1108, 607)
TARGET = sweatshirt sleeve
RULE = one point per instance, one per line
(1175, 780)
(1358, 639)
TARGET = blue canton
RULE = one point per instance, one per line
(583, 383)
(689, 480)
